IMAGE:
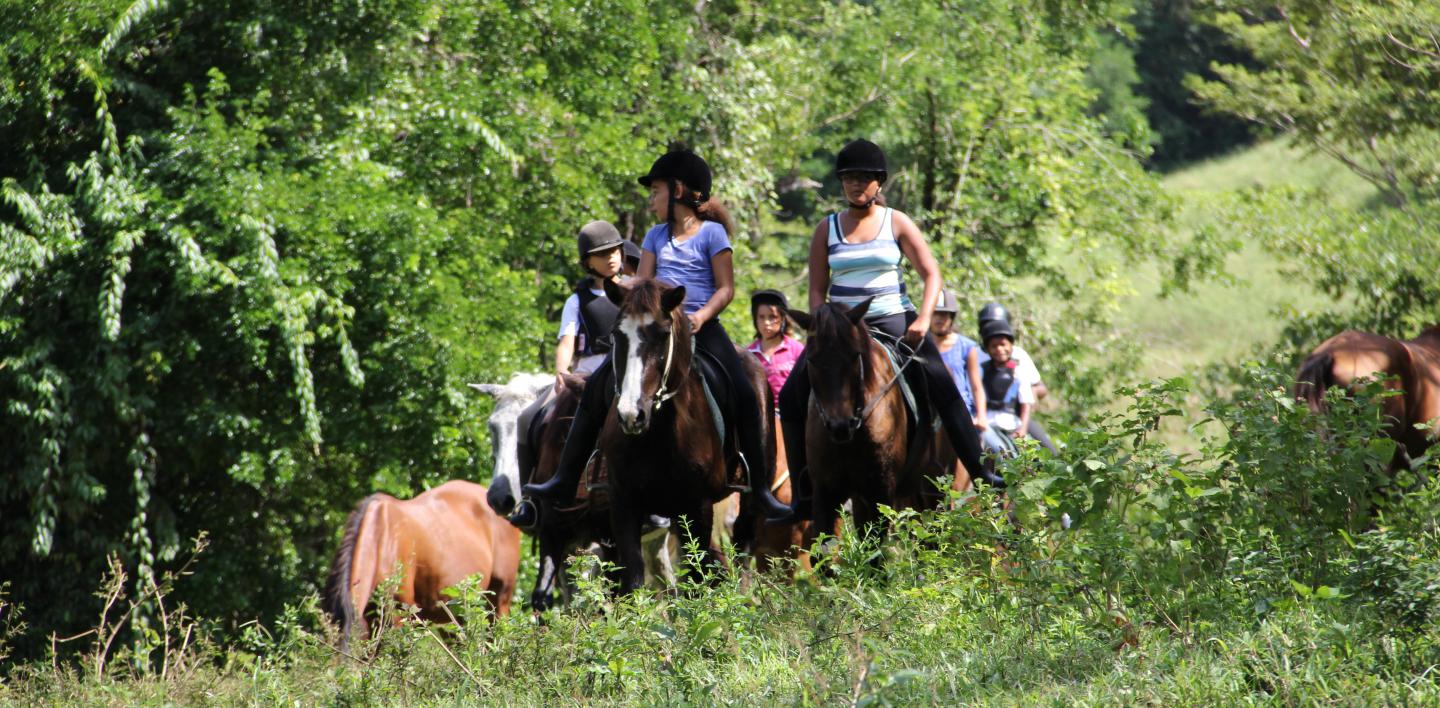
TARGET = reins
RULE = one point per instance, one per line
(664, 392)
(863, 411)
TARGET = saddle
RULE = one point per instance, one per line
(719, 395)
(922, 421)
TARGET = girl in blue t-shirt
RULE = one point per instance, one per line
(690, 247)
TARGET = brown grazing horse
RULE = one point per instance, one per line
(1411, 367)
(438, 539)
(858, 434)
(660, 440)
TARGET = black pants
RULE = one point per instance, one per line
(928, 377)
(713, 340)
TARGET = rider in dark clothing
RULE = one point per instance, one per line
(857, 256)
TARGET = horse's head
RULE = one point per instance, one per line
(836, 357)
(651, 350)
(510, 399)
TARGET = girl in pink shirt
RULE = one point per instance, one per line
(773, 345)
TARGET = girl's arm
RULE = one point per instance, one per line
(972, 371)
(1025, 409)
(647, 265)
(819, 264)
(722, 265)
(912, 244)
(564, 355)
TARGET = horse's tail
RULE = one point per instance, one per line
(1316, 375)
(337, 600)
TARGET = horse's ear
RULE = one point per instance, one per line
(672, 298)
(857, 312)
(614, 292)
(488, 389)
(804, 319)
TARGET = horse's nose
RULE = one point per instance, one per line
(636, 423)
(500, 497)
(840, 431)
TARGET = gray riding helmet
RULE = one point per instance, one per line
(597, 236)
(632, 251)
(947, 303)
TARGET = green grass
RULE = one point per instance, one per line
(1227, 320)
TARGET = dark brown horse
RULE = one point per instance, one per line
(1411, 368)
(438, 539)
(564, 529)
(858, 434)
(660, 440)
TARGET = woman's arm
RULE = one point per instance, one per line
(722, 266)
(647, 265)
(972, 374)
(912, 244)
(819, 264)
(564, 355)
(1025, 409)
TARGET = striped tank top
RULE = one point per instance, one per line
(870, 269)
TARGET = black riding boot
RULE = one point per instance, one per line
(801, 497)
(579, 445)
(960, 428)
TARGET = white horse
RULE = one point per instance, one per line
(511, 398)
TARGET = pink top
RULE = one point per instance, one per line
(778, 366)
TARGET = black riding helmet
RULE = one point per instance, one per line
(992, 311)
(862, 156)
(683, 166)
(633, 252)
(771, 297)
(597, 237)
(995, 328)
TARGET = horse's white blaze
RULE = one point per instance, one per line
(510, 400)
(628, 405)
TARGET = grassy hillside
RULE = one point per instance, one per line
(1222, 321)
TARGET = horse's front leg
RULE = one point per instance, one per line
(552, 567)
(698, 532)
(625, 527)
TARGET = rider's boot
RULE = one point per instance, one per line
(581, 442)
(800, 496)
(960, 428)
(762, 473)
(526, 515)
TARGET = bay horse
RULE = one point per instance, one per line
(1411, 368)
(660, 439)
(858, 434)
(436, 540)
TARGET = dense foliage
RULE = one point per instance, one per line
(250, 253)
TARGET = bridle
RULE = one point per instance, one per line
(868, 406)
(664, 392)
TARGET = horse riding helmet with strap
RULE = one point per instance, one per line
(947, 303)
(992, 311)
(676, 166)
(862, 156)
(769, 297)
(996, 328)
(597, 237)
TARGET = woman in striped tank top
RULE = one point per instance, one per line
(857, 255)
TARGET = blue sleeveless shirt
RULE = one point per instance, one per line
(871, 269)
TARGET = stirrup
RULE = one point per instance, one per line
(745, 486)
(587, 476)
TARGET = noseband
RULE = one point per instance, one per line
(664, 393)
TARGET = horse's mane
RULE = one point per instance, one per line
(831, 323)
(644, 297)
